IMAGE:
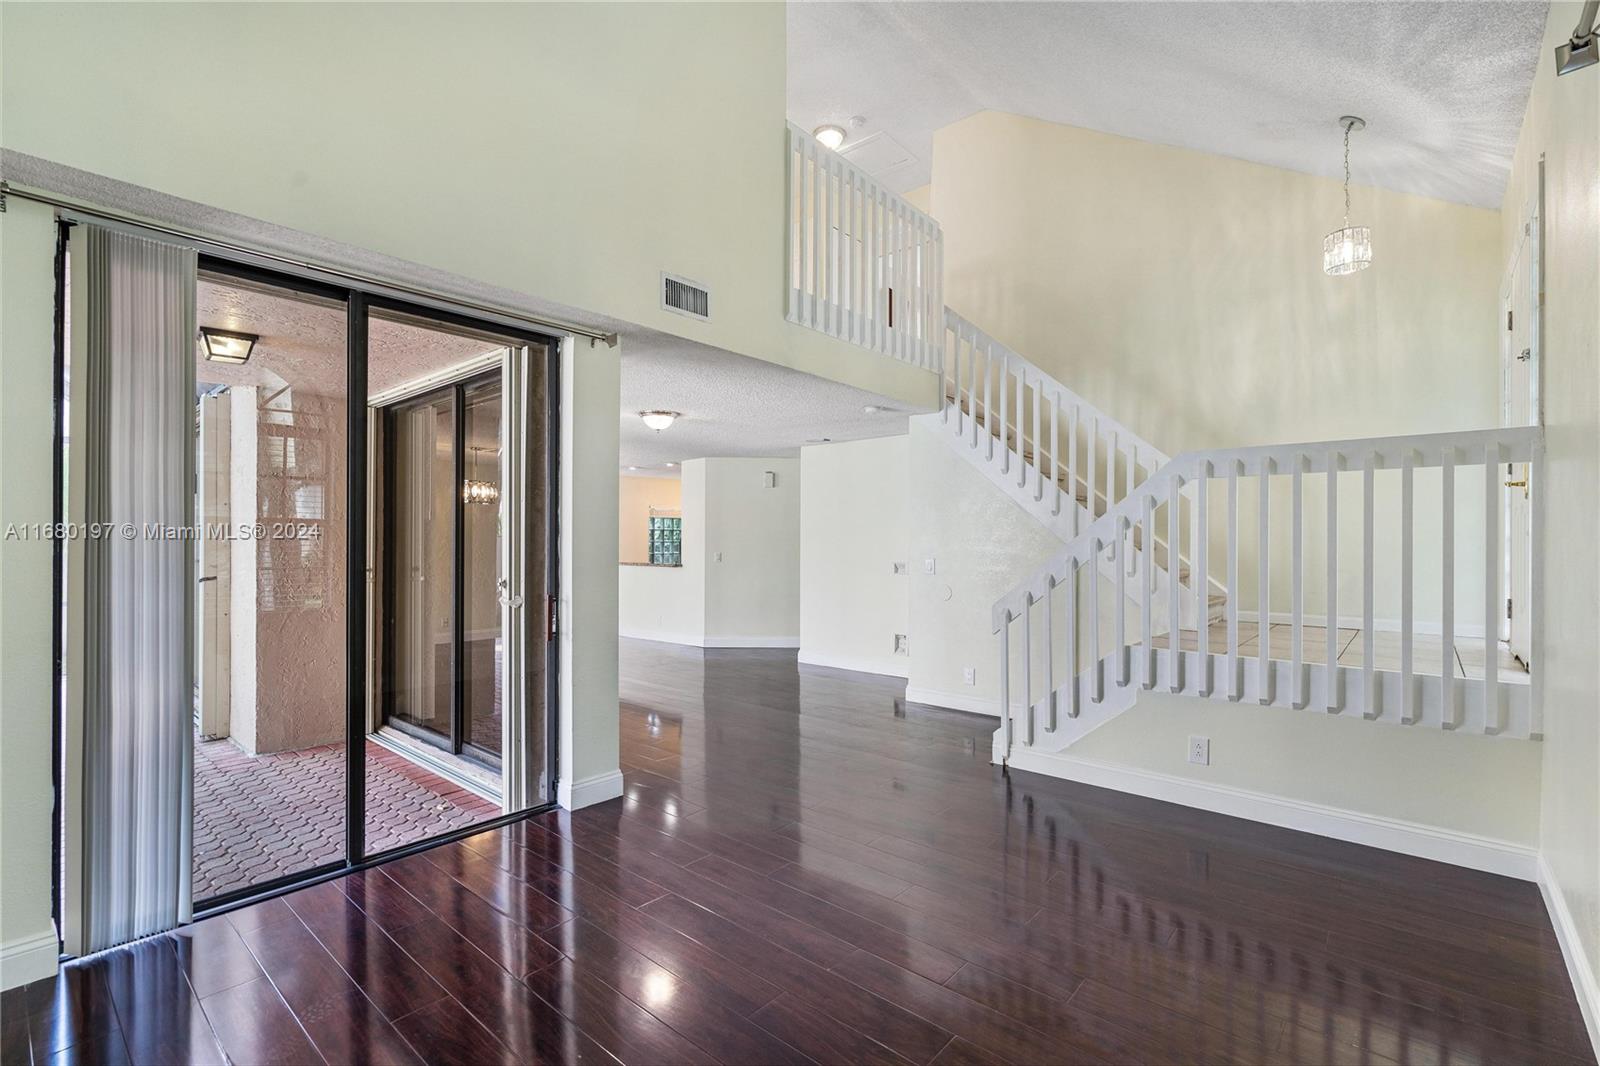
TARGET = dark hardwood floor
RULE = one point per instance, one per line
(807, 869)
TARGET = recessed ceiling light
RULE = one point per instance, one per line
(227, 346)
(871, 409)
(829, 136)
(633, 468)
(658, 420)
(672, 464)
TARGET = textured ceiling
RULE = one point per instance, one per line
(303, 341)
(1443, 86)
(733, 405)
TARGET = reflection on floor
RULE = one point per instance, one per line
(807, 868)
(261, 817)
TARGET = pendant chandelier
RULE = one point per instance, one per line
(474, 490)
(1348, 248)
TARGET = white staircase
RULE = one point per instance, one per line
(1063, 685)
(1056, 455)
(1133, 601)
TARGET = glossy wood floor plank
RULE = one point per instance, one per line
(805, 868)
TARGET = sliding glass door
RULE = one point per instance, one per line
(460, 500)
(441, 551)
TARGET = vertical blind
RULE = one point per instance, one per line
(139, 587)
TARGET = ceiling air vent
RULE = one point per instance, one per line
(685, 297)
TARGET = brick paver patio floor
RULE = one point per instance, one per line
(264, 816)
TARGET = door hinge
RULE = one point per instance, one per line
(1508, 606)
(1508, 320)
(550, 618)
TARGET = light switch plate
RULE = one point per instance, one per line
(969, 675)
(928, 566)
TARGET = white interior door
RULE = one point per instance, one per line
(1520, 407)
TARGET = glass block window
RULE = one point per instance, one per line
(666, 540)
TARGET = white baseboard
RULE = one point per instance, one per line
(861, 664)
(1579, 969)
(30, 959)
(1349, 621)
(955, 701)
(750, 642)
(701, 641)
(575, 795)
(1356, 827)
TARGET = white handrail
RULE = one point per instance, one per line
(863, 264)
(1133, 520)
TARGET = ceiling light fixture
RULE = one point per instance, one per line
(475, 489)
(672, 464)
(227, 346)
(1348, 248)
(871, 409)
(1583, 50)
(829, 136)
(659, 420)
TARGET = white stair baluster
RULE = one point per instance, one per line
(1297, 584)
(1118, 546)
(1200, 533)
(1005, 677)
(1450, 716)
(1027, 669)
(1174, 588)
(1369, 697)
(1233, 580)
(1332, 689)
(1408, 695)
(1494, 720)
(1264, 590)
(1070, 616)
(1096, 666)
(1147, 580)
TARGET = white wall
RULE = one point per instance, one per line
(669, 603)
(750, 597)
(589, 732)
(752, 553)
(28, 945)
(538, 147)
(1183, 294)
(854, 527)
(1563, 125)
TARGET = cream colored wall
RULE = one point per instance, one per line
(1183, 293)
(920, 198)
(28, 946)
(588, 730)
(1563, 126)
(855, 525)
(752, 552)
(635, 497)
(538, 147)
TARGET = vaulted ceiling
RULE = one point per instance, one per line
(1443, 86)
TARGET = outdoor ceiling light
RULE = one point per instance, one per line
(829, 136)
(658, 420)
(1583, 50)
(1349, 248)
(227, 346)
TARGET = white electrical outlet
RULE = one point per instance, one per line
(902, 569)
(719, 557)
(928, 567)
(1200, 750)
(969, 675)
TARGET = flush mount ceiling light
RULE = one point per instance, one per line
(829, 136)
(226, 346)
(659, 420)
(1348, 248)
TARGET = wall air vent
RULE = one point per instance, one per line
(685, 297)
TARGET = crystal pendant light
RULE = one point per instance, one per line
(475, 490)
(1348, 248)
